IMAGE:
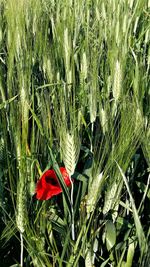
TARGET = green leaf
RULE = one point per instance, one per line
(105, 263)
(130, 255)
(2, 105)
(139, 229)
(142, 188)
(110, 235)
(37, 120)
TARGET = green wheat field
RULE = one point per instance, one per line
(75, 93)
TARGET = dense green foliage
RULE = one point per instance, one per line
(74, 92)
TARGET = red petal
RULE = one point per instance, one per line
(48, 185)
(47, 177)
(65, 176)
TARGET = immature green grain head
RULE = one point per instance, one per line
(94, 192)
(117, 85)
(21, 208)
(84, 66)
(70, 151)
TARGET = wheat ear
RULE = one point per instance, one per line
(70, 152)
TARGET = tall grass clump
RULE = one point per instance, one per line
(74, 92)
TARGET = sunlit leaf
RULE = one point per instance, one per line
(110, 234)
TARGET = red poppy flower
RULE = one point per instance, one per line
(48, 185)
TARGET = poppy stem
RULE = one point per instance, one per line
(72, 213)
(21, 253)
(92, 129)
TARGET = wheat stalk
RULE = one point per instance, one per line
(110, 197)
(111, 201)
(88, 259)
(117, 81)
(84, 67)
(93, 193)
(70, 151)
(21, 208)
